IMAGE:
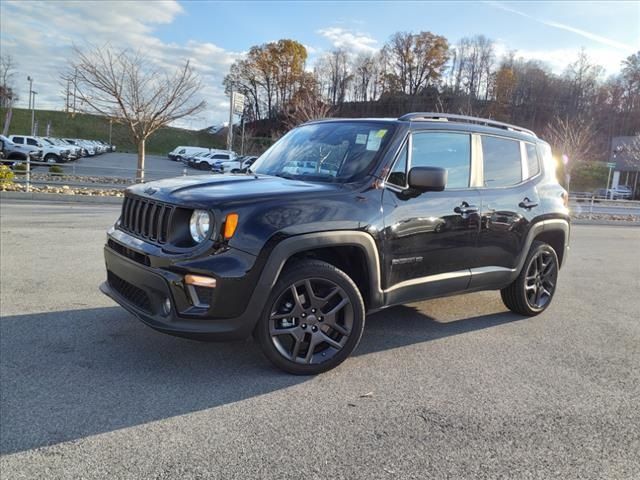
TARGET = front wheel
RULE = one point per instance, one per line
(313, 320)
(51, 158)
(531, 293)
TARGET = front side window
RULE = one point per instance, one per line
(31, 141)
(451, 151)
(502, 162)
(338, 151)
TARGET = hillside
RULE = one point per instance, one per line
(94, 127)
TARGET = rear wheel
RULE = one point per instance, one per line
(204, 166)
(313, 320)
(531, 293)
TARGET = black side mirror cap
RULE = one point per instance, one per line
(428, 179)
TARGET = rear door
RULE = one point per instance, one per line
(509, 201)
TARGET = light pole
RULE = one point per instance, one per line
(33, 113)
(30, 80)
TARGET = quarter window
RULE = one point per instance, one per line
(532, 160)
(445, 150)
(398, 175)
(502, 162)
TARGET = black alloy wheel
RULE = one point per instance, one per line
(531, 293)
(313, 321)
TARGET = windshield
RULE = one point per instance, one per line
(332, 151)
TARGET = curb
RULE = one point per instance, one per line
(56, 197)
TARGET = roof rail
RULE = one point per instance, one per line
(446, 117)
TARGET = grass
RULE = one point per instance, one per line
(94, 127)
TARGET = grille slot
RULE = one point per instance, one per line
(132, 293)
(146, 219)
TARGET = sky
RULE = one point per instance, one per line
(40, 35)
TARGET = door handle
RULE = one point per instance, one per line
(527, 204)
(465, 209)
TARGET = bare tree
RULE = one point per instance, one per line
(8, 95)
(124, 86)
(575, 138)
(307, 104)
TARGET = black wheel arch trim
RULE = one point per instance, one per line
(284, 250)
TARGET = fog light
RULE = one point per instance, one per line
(166, 306)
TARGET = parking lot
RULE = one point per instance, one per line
(123, 165)
(449, 388)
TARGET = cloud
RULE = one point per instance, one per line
(40, 37)
(558, 59)
(583, 33)
(348, 40)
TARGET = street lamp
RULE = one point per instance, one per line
(32, 102)
(33, 113)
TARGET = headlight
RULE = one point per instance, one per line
(200, 225)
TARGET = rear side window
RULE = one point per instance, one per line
(502, 162)
(221, 157)
(445, 150)
(532, 160)
(19, 140)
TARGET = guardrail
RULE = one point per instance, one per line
(594, 205)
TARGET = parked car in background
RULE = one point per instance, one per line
(50, 153)
(621, 192)
(20, 151)
(216, 157)
(178, 153)
(234, 165)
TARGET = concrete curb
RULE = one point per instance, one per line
(56, 197)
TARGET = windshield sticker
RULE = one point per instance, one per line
(381, 133)
(361, 138)
(373, 144)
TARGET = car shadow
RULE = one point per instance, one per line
(70, 374)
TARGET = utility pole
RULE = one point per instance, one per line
(110, 130)
(242, 142)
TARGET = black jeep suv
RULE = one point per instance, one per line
(338, 219)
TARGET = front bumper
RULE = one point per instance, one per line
(142, 290)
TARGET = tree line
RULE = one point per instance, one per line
(425, 72)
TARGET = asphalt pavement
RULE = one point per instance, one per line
(448, 388)
(123, 165)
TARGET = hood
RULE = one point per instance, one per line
(208, 190)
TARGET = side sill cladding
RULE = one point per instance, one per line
(291, 246)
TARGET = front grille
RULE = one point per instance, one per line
(146, 219)
(132, 293)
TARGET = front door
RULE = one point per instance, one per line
(430, 238)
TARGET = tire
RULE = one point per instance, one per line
(532, 292)
(204, 166)
(51, 158)
(311, 333)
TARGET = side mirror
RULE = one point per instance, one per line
(428, 179)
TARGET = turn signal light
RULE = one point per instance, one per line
(200, 281)
(230, 225)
